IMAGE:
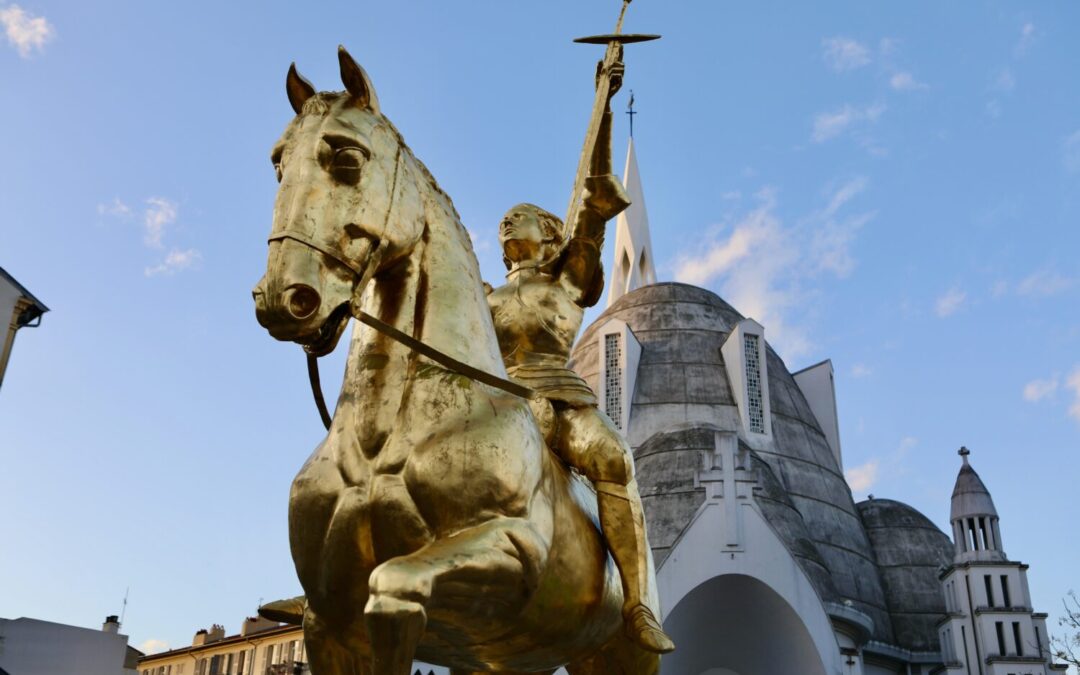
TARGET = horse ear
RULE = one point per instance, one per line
(356, 81)
(298, 89)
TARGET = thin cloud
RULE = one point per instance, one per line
(947, 304)
(842, 53)
(863, 477)
(1005, 81)
(1071, 151)
(1073, 383)
(115, 208)
(1044, 283)
(763, 267)
(829, 125)
(175, 261)
(25, 32)
(158, 215)
(1027, 37)
(861, 370)
(905, 81)
(1037, 390)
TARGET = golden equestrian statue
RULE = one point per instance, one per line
(433, 522)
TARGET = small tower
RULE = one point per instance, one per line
(633, 266)
(990, 627)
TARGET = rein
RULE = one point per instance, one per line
(374, 258)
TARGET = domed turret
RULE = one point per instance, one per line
(974, 519)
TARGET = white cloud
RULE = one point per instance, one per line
(153, 646)
(175, 261)
(831, 124)
(1043, 283)
(762, 266)
(860, 370)
(1037, 390)
(845, 54)
(1073, 383)
(1071, 151)
(24, 31)
(863, 477)
(158, 215)
(904, 81)
(116, 208)
(888, 45)
(948, 303)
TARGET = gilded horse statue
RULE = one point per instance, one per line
(433, 522)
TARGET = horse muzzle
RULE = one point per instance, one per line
(297, 315)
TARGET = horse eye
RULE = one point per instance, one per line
(278, 171)
(346, 164)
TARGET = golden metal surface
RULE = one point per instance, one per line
(433, 522)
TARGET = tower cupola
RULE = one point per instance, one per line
(976, 533)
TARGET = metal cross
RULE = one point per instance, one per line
(631, 112)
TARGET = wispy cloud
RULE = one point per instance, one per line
(175, 261)
(948, 303)
(1044, 282)
(153, 646)
(26, 33)
(1027, 37)
(863, 477)
(1037, 390)
(159, 214)
(763, 266)
(1005, 81)
(842, 53)
(905, 81)
(861, 370)
(115, 208)
(1071, 151)
(829, 125)
(1073, 383)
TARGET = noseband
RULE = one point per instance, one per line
(364, 274)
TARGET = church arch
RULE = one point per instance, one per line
(736, 625)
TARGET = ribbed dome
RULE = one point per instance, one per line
(682, 384)
(910, 551)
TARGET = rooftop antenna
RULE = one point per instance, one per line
(631, 112)
(123, 609)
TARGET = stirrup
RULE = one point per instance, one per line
(645, 630)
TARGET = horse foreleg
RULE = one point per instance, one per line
(479, 579)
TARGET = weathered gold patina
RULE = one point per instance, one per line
(432, 522)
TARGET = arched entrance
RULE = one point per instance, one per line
(736, 625)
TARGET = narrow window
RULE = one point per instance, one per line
(1005, 597)
(988, 581)
(1000, 628)
(1038, 640)
(982, 531)
(754, 407)
(971, 533)
(1016, 638)
(613, 378)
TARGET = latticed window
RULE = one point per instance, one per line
(613, 378)
(754, 405)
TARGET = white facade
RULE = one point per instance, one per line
(620, 353)
(33, 647)
(633, 246)
(747, 369)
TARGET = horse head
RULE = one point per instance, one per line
(347, 208)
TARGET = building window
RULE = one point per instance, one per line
(754, 406)
(1038, 640)
(1016, 638)
(988, 581)
(1000, 628)
(1005, 598)
(613, 378)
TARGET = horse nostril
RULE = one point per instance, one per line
(303, 302)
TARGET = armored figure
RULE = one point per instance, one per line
(552, 278)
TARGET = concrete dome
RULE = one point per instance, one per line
(911, 551)
(682, 384)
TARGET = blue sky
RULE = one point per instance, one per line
(895, 187)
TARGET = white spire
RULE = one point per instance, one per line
(633, 266)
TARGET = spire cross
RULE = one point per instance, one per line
(964, 452)
(631, 112)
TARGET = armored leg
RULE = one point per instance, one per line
(590, 442)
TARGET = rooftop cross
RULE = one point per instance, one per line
(964, 452)
(631, 112)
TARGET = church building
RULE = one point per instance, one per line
(765, 564)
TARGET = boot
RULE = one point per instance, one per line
(623, 524)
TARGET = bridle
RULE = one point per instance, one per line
(364, 275)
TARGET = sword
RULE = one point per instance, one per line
(614, 42)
